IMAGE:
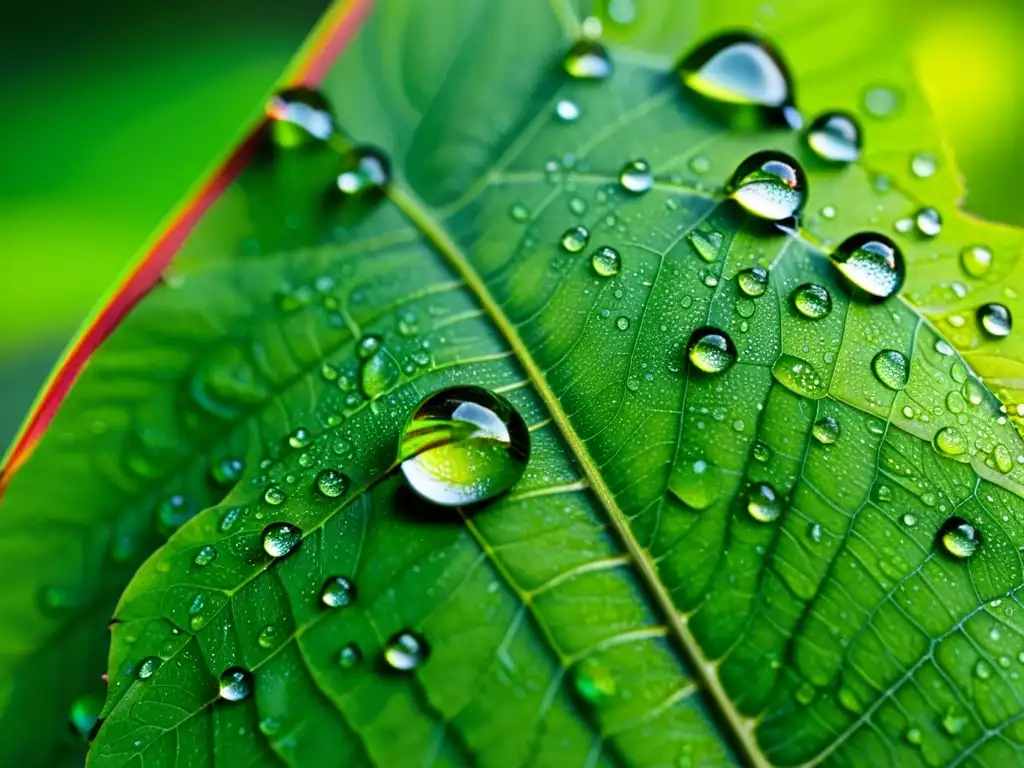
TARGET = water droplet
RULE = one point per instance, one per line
(763, 503)
(269, 636)
(349, 656)
(762, 452)
(909, 520)
(636, 177)
(365, 172)
(954, 722)
(274, 496)
(826, 430)
(914, 736)
(753, 281)
(606, 261)
(711, 350)
(567, 111)
(205, 556)
(951, 441)
(872, 263)
(405, 651)
(331, 483)
(280, 539)
(982, 670)
(976, 260)
(928, 221)
(378, 374)
(694, 483)
(995, 319)
(299, 117)
(892, 368)
(828, 212)
(736, 72)
(622, 323)
(799, 376)
(1002, 458)
(300, 438)
(923, 165)
(368, 346)
(706, 244)
(959, 538)
(84, 714)
(236, 684)
(812, 301)
(804, 694)
(881, 101)
(575, 239)
(588, 60)
(464, 445)
(519, 212)
(835, 136)
(338, 592)
(148, 667)
(172, 513)
(227, 471)
(770, 185)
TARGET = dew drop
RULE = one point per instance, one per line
(826, 430)
(636, 177)
(575, 239)
(770, 185)
(1002, 458)
(464, 445)
(338, 592)
(174, 512)
(959, 538)
(711, 350)
(606, 261)
(954, 722)
(227, 471)
(519, 212)
(752, 281)
(299, 117)
(588, 60)
(881, 101)
(914, 736)
(349, 655)
(236, 684)
(694, 483)
(300, 438)
(923, 165)
(872, 263)
(269, 636)
(365, 172)
(995, 319)
(281, 539)
(951, 441)
(763, 503)
(331, 483)
(928, 221)
(762, 452)
(148, 667)
(567, 111)
(799, 376)
(976, 260)
(622, 323)
(206, 555)
(835, 137)
(892, 368)
(706, 244)
(406, 651)
(274, 496)
(812, 301)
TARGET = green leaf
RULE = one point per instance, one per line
(622, 605)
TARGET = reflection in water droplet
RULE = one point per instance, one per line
(1002, 458)
(463, 445)
(636, 177)
(892, 368)
(281, 539)
(298, 117)
(762, 452)
(812, 301)
(338, 592)
(711, 350)
(349, 656)
(923, 165)
(740, 71)
(951, 441)
(706, 243)
(799, 376)
(995, 319)
(928, 221)
(695, 483)
(976, 260)
(770, 185)
(148, 667)
(606, 261)
(206, 555)
(763, 503)
(365, 171)
(331, 483)
(826, 430)
(274, 496)
(575, 239)
(872, 263)
(959, 538)
(567, 111)
(835, 136)
(405, 651)
(588, 60)
(753, 281)
(236, 684)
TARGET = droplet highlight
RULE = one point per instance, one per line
(872, 263)
(770, 185)
(711, 350)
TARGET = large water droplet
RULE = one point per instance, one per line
(281, 539)
(331, 483)
(575, 239)
(826, 430)
(338, 592)
(872, 263)
(799, 376)
(588, 60)
(636, 177)
(606, 261)
(738, 71)
(892, 368)
(835, 137)
(236, 684)
(995, 319)
(711, 350)
(405, 651)
(753, 281)
(464, 445)
(812, 301)
(951, 441)
(959, 538)
(365, 171)
(763, 503)
(148, 667)
(976, 260)
(695, 483)
(770, 185)
(298, 117)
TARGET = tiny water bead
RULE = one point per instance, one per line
(711, 350)
(405, 651)
(299, 117)
(959, 538)
(281, 539)
(923, 165)
(84, 714)
(872, 263)
(753, 281)
(338, 592)
(519, 212)
(976, 260)
(567, 111)
(835, 137)
(365, 171)
(331, 483)
(770, 185)
(606, 261)
(368, 346)
(951, 441)
(763, 503)
(636, 177)
(741, 70)
(236, 684)
(928, 221)
(588, 60)
(826, 430)
(349, 655)
(227, 471)
(575, 239)
(464, 445)
(300, 438)
(995, 320)
(812, 301)
(892, 368)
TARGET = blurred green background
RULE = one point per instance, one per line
(114, 108)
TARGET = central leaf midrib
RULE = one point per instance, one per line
(422, 218)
